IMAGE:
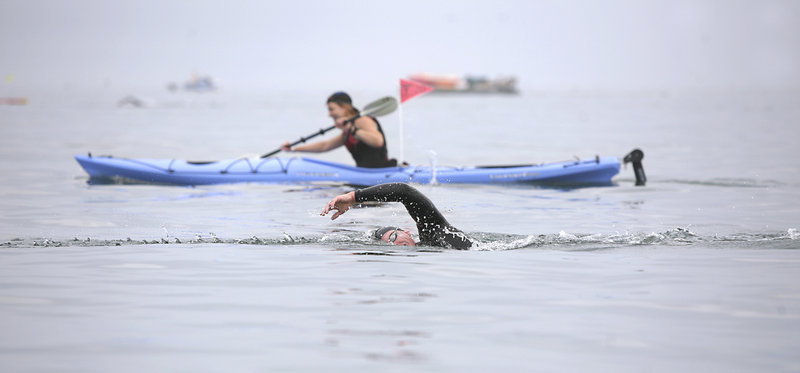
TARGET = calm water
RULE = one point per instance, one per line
(696, 271)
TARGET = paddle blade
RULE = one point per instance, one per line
(380, 107)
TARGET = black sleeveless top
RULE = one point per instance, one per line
(369, 156)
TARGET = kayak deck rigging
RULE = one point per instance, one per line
(597, 170)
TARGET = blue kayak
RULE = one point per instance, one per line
(594, 171)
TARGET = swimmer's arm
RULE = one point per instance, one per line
(341, 204)
(418, 206)
(421, 209)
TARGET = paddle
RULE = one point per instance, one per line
(376, 108)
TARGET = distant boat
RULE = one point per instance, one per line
(13, 101)
(467, 84)
(131, 101)
(196, 84)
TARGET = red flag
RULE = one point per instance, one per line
(410, 89)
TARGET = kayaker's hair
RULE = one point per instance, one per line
(343, 99)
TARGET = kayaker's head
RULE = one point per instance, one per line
(340, 105)
(395, 236)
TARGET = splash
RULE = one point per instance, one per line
(483, 241)
(578, 241)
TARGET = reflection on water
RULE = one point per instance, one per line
(310, 305)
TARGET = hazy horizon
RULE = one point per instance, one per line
(316, 45)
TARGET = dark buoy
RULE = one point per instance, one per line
(635, 157)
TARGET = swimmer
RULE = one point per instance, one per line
(433, 228)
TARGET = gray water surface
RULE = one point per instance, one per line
(697, 271)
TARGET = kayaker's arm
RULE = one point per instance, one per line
(316, 147)
(367, 132)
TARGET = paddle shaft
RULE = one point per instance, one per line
(311, 136)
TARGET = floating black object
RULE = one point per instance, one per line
(635, 157)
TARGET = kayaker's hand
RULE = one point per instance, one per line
(341, 204)
(342, 123)
(286, 147)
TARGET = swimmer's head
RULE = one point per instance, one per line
(395, 236)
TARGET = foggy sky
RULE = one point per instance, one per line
(367, 45)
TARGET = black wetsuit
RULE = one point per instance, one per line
(366, 155)
(434, 230)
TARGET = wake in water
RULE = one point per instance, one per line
(484, 241)
(677, 236)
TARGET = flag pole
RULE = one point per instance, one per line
(402, 136)
(408, 90)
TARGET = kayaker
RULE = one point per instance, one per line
(363, 137)
(433, 228)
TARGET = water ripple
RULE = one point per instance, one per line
(485, 241)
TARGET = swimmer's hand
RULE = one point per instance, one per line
(341, 204)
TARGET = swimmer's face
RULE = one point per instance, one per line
(398, 237)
